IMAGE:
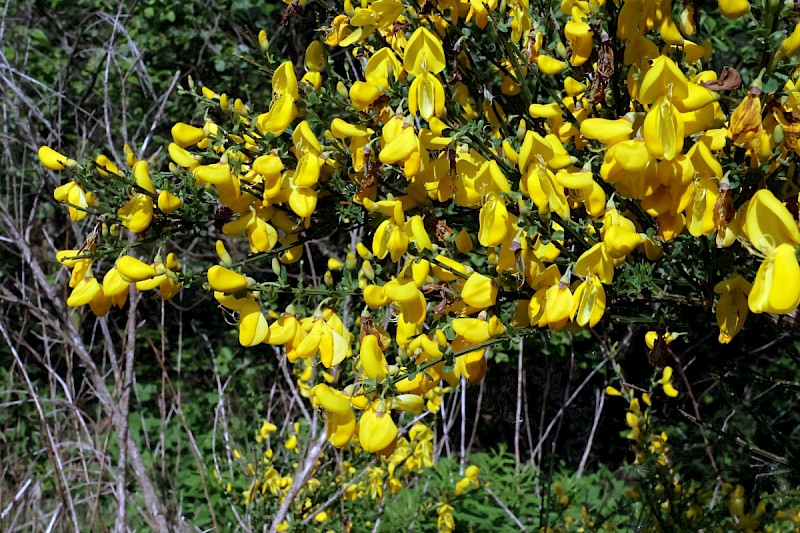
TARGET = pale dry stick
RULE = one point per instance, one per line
(566, 404)
(296, 397)
(463, 459)
(301, 476)
(106, 93)
(123, 407)
(381, 506)
(219, 415)
(72, 338)
(475, 423)
(525, 408)
(159, 114)
(196, 454)
(518, 414)
(600, 399)
(505, 508)
(17, 497)
(55, 456)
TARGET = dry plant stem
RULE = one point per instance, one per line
(71, 337)
(63, 485)
(476, 421)
(696, 409)
(518, 417)
(463, 458)
(310, 459)
(220, 416)
(505, 508)
(338, 493)
(196, 454)
(599, 398)
(124, 387)
(564, 407)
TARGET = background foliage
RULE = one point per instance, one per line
(550, 445)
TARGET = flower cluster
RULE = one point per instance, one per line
(558, 162)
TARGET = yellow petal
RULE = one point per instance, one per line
(223, 280)
(133, 270)
(479, 291)
(372, 359)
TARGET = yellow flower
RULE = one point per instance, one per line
(424, 53)
(426, 96)
(479, 291)
(731, 306)
(376, 429)
(54, 160)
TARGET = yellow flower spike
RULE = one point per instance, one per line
(550, 65)
(768, 223)
(133, 270)
(663, 129)
(607, 131)
(479, 291)
(253, 326)
(340, 427)
(376, 429)
(777, 285)
(53, 160)
(589, 302)
(372, 359)
(733, 9)
(186, 135)
(424, 53)
(621, 241)
(426, 96)
(168, 202)
(493, 219)
(664, 78)
(731, 310)
(84, 292)
(223, 280)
